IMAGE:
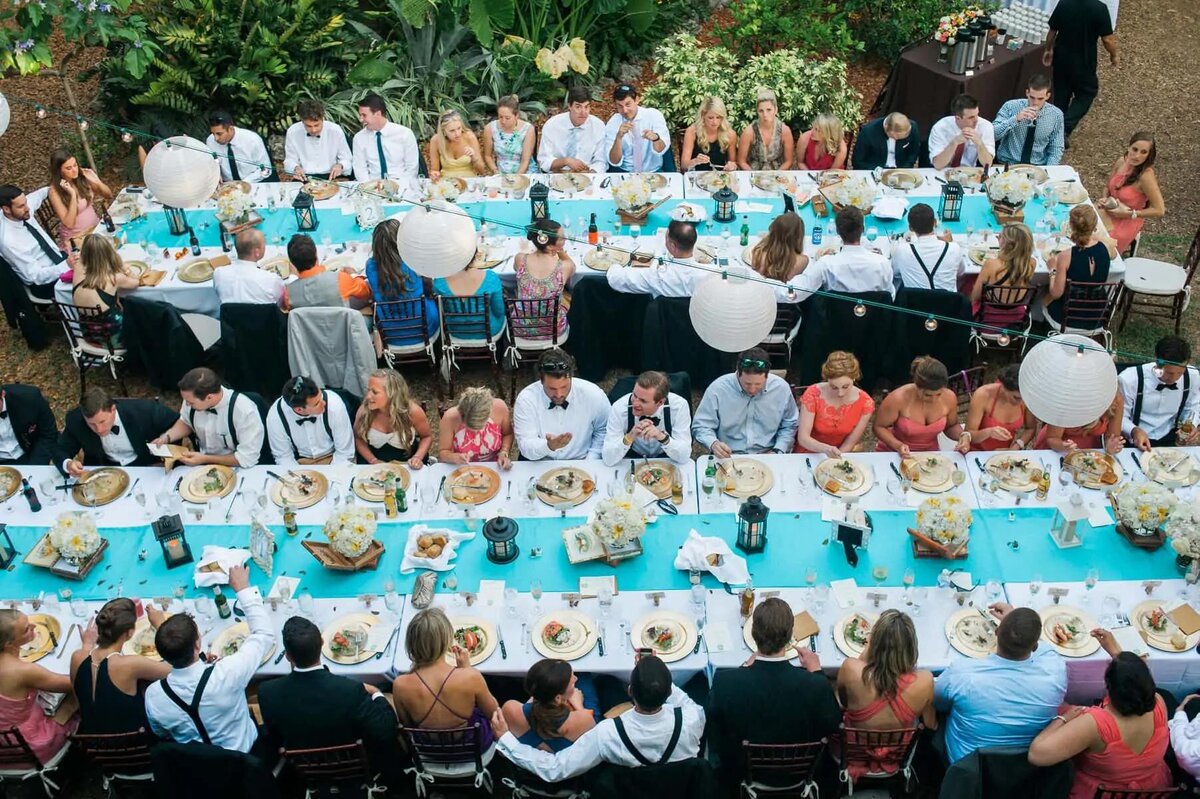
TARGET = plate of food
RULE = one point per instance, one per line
(902, 179)
(1035, 173)
(971, 633)
(124, 209)
(853, 632)
(564, 634)
(1151, 620)
(570, 181)
(705, 254)
(449, 189)
(1068, 630)
(1092, 468)
(472, 485)
(387, 188)
(565, 486)
(745, 477)
(301, 488)
(197, 270)
(10, 482)
(320, 189)
(1015, 473)
(346, 639)
(136, 268)
(1051, 246)
(230, 186)
(963, 174)
(978, 253)
(1068, 192)
(141, 643)
(713, 181)
(657, 181)
(773, 181)
(1170, 467)
(930, 474)
(831, 176)
(47, 632)
(207, 482)
(476, 636)
(842, 477)
(107, 483)
(280, 267)
(230, 640)
(655, 477)
(689, 212)
(339, 262)
(369, 482)
(670, 634)
(514, 182)
(486, 257)
(604, 258)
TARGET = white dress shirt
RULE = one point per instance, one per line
(856, 269)
(317, 154)
(1160, 409)
(243, 281)
(673, 279)
(116, 446)
(223, 708)
(646, 119)
(25, 255)
(212, 429)
(891, 152)
(10, 448)
(585, 418)
(1185, 741)
(928, 249)
(399, 148)
(589, 142)
(249, 152)
(310, 438)
(678, 447)
(944, 131)
(649, 733)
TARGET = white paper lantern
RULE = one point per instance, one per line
(732, 314)
(1064, 386)
(181, 172)
(438, 241)
(5, 114)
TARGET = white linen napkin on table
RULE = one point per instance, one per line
(442, 562)
(693, 556)
(889, 208)
(223, 557)
(746, 207)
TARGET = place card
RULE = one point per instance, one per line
(1130, 640)
(718, 637)
(804, 627)
(845, 592)
(1058, 593)
(589, 587)
(1099, 516)
(1184, 615)
(491, 592)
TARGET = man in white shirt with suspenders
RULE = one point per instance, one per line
(309, 425)
(1160, 396)
(226, 423)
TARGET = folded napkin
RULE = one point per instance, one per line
(746, 207)
(215, 563)
(693, 556)
(439, 564)
(889, 208)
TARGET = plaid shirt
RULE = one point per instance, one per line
(1048, 136)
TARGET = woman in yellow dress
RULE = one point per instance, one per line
(454, 151)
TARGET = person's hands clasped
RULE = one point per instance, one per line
(964, 443)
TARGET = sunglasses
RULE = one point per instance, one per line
(753, 363)
(556, 366)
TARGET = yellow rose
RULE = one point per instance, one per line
(549, 63)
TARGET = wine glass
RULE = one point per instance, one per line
(1035, 584)
(88, 492)
(139, 496)
(958, 476)
(530, 493)
(205, 608)
(893, 487)
(810, 576)
(308, 605)
(907, 579)
(49, 489)
(1089, 582)
(917, 598)
(872, 233)
(635, 231)
(707, 485)
(535, 591)
(994, 591)
(879, 574)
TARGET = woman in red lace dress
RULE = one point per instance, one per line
(834, 413)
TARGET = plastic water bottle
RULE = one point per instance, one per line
(816, 234)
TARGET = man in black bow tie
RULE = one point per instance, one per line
(308, 424)
(110, 433)
(1162, 399)
(314, 147)
(560, 417)
(649, 422)
(226, 423)
(27, 426)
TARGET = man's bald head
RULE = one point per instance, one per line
(251, 244)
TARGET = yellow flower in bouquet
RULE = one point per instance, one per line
(351, 530)
(577, 55)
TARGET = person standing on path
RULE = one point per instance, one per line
(1075, 25)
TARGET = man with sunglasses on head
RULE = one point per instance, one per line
(747, 412)
(637, 137)
(309, 425)
(649, 422)
(560, 417)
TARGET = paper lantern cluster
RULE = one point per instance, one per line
(181, 172)
(731, 313)
(1068, 381)
(437, 241)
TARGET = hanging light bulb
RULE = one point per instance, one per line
(860, 310)
(1004, 339)
(126, 137)
(791, 293)
(39, 112)
(931, 324)
(83, 123)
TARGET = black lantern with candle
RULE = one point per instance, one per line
(306, 212)
(752, 526)
(724, 198)
(539, 202)
(950, 207)
(501, 534)
(8, 553)
(168, 531)
(176, 221)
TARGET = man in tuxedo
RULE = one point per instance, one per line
(769, 700)
(110, 433)
(312, 708)
(893, 142)
(27, 427)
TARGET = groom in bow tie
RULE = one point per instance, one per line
(560, 417)
(1161, 397)
(111, 432)
(649, 422)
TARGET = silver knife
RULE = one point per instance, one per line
(600, 641)
(500, 635)
(62, 645)
(236, 491)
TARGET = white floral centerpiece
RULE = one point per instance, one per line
(350, 530)
(74, 537)
(946, 520)
(1183, 525)
(1009, 191)
(235, 206)
(443, 189)
(853, 192)
(1144, 507)
(632, 193)
(618, 522)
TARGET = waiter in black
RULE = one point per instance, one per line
(111, 433)
(1075, 25)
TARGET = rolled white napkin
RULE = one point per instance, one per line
(225, 558)
(693, 555)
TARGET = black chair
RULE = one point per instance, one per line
(122, 757)
(1087, 309)
(671, 344)
(783, 333)
(529, 786)
(18, 762)
(202, 771)
(847, 322)
(92, 342)
(451, 758)
(328, 770)
(608, 328)
(681, 384)
(532, 329)
(254, 347)
(964, 383)
(948, 342)
(1004, 772)
(781, 768)
(160, 340)
(19, 309)
(684, 779)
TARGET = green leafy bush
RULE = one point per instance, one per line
(886, 26)
(814, 27)
(687, 74)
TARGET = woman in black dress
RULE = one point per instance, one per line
(1087, 261)
(709, 142)
(389, 426)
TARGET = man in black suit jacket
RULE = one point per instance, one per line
(111, 433)
(312, 708)
(27, 427)
(768, 700)
(871, 148)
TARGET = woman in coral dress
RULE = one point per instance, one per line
(478, 428)
(997, 418)
(1132, 195)
(19, 686)
(911, 417)
(1104, 433)
(835, 412)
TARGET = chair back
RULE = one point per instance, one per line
(254, 347)
(1154, 793)
(403, 327)
(1088, 307)
(456, 746)
(465, 321)
(332, 346)
(533, 322)
(19, 310)
(44, 213)
(680, 383)
(964, 383)
(87, 327)
(787, 326)
(863, 747)
(330, 764)
(125, 754)
(15, 753)
(793, 765)
(949, 342)
(1192, 260)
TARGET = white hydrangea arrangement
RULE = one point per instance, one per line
(74, 536)
(1183, 525)
(1011, 188)
(853, 192)
(631, 193)
(1144, 507)
(234, 206)
(946, 520)
(350, 530)
(617, 521)
(444, 189)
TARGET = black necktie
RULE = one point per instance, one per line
(306, 419)
(4, 414)
(562, 404)
(115, 430)
(55, 255)
(233, 170)
(653, 419)
(1166, 387)
(1027, 148)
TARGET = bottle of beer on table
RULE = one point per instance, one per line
(289, 519)
(747, 599)
(389, 496)
(593, 232)
(31, 496)
(226, 245)
(192, 240)
(745, 232)
(223, 609)
(401, 497)
(109, 225)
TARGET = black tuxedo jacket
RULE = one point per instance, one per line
(142, 420)
(870, 149)
(32, 422)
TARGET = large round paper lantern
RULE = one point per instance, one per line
(5, 114)
(181, 172)
(731, 313)
(436, 241)
(1067, 386)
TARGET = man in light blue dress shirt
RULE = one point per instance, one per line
(1030, 131)
(748, 411)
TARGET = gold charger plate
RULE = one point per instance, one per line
(971, 634)
(852, 633)
(386, 187)
(280, 266)
(484, 260)
(193, 487)
(655, 477)
(1073, 622)
(903, 179)
(109, 483)
(773, 181)
(1068, 192)
(963, 174)
(572, 485)
(484, 629)
(669, 633)
(291, 492)
(10, 482)
(1035, 173)
(571, 181)
(320, 189)
(1051, 246)
(657, 182)
(472, 485)
(1170, 638)
(514, 182)
(579, 639)
(603, 258)
(705, 254)
(230, 640)
(978, 253)
(368, 483)
(930, 473)
(1171, 467)
(745, 477)
(230, 187)
(1014, 472)
(136, 268)
(141, 643)
(197, 270)
(47, 632)
(831, 176)
(713, 181)
(334, 635)
(1095, 469)
(842, 477)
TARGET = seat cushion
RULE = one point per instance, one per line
(206, 328)
(1147, 276)
(100, 351)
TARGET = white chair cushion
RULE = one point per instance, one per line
(207, 329)
(539, 343)
(456, 770)
(97, 351)
(1147, 276)
(456, 341)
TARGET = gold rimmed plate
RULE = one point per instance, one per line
(902, 179)
(564, 634)
(141, 643)
(345, 640)
(197, 270)
(231, 186)
(1068, 192)
(385, 187)
(930, 473)
(369, 483)
(10, 482)
(280, 266)
(745, 477)
(472, 485)
(1015, 473)
(655, 477)
(714, 181)
(572, 181)
(971, 634)
(604, 258)
(1035, 173)
(843, 477)
(978, 253)
(773, 181)
(853, 632)
(1159, 630)
(963, 174)
(1094, 469)
(207, 482)
(565, 486)
(1068, 630)
(47, 632)
(514, 182)
(300, 493)
(1171, 467)
(320, 189)
(136, 268)
(669, 633)
(108, 483)
(477, 636)
(230, 640)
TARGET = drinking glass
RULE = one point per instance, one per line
(79, 608)
(820, 597)
(535, 591)
(205, 608)
(335, 495)
(605, 597)
(139, 496)
(908, 578)
(1089, 582)
(636, 232)
(959, 477)
(307, 604)
(917, 597)
(49, 489)
(1035, 585)
(530, 493)
(88, 492)
(707, 485)
(510, 602)
(810, 576)
(699, 595)
(994, 591)
(1109, 608)
(872, 233)
(893, 487)
(428, 493)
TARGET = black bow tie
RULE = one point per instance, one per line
(653, 419)
(115, 430)
(313, 135)
(213, 411)
(1166, 387)
(562, 404)
(4, 414)
(306, 419)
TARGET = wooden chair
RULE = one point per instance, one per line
(331, 768)
(79, 322)
(1156, 793)
(467, 335)
(1087, 309)
(862, 747)
(1004, 313)
(964, 384)
(451, 758)
(525, 785)
(403, 327)
(1158, 288)
(121, 757)
(781, 768)
(18, 762)
(532, 329)
(783, 334)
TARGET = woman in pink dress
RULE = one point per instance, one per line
(1132, 195)
(1104, 433)
(1121, 743)
(73, 193)
(998, 418)
(541, 275)
(19, 686)
(478, 428)
(911, 417)
(834, 413)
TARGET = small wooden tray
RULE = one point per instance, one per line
(921, 549)
(71, 573)
(331, 559)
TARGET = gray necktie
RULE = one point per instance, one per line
(573, 142)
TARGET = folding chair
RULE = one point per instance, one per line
(79, 323)
(964, 384)
(19, 763)
(403, 328)
(122, 757)
(1087, 310)
(451, 758)
(1158, 288)
(331, 768)
(782, 768)
(783, 334)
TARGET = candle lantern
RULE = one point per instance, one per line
(950, 207)
(724, 198)
(539, 202)
(1067, 516)
(168, 531)
(8, 553)
(752, 526)
(306, 212)
(176, 221)
(501, 534)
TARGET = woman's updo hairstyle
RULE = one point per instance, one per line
(543, 233)
(117, 617)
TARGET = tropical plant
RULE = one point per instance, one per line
(805, 87)
(885, 27)
(25, 29)
(814, 27)
(687, 74)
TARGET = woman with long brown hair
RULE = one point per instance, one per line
(1132, 194)
(392, 280)
(103, 276)
(555, 716)
(1088, 261)
(73, 192)
(911, 417)
(389, 426)
(780, 254)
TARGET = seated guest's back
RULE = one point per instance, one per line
(1013, 266)
(854, 269)
(103, 275)
(555, 715)
(318, 287)
(1088, 261)
(674, 279)
(926, 262)
(779, 255)
(19, 686)
(391, 279)
(542, 275)
(389, 426)
(243, 280)
(109, 684)
(479, 428)
(470, 283)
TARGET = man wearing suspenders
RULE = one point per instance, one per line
(926, 262)
(1160, 396)
(226, 423)
(651, 422)
(308, 425)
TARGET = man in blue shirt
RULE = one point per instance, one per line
(1007, 698)
(748, 411)
(1030, 131)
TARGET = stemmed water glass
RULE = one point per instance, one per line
(535, 591)
(1089, 583)
(605, 596)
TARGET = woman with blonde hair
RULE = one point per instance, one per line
(454, 150)
(389, 426)
(1012, 266)
(103, 276)
(478, 428)
(912, 416)
(709, 142)
(508, 140)
(780, 254)
(824, 145)
(19, 686)
(73, 192)
(766, 143)
(1087, 261)
(834, 413)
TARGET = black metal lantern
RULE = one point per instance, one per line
(501, 534)
(176, 221)
(724, 198)
(752, 526)
(168, 531)
(539, 202)
(950, 207)
(306, 212)
(8, 553)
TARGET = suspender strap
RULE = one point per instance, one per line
(666, 755)
(228, 419)
(1136, 416)
(192, 710)
(287, 428)
(1187, 389)
(928, 272)
(629, 415)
